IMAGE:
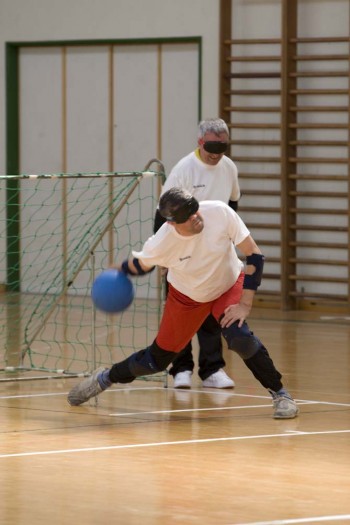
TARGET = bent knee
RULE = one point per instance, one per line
(241, 340)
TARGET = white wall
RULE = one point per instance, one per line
(49, 20)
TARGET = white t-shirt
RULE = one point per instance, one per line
(203, 181)
(205, 265)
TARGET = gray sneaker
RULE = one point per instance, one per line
(285, 407)
(89, 387)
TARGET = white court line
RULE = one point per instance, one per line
(48, 394)
(168, 443)
(27, 396)
(154, 412)
(115, 390)
(209, 409)
(212, 409)
(334, 318)
(315, 519)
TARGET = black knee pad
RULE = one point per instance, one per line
(241, 340)
(138, 364)
(149, 361)
(142, 363)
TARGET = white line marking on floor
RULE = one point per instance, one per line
(315, 519)
(166, 443)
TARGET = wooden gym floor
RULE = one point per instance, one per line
(149, 455)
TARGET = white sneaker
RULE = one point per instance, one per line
(183, 379)
(219, 380)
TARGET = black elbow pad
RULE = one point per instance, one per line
(233, 205)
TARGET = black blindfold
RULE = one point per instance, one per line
(184, 212)
(213, 146)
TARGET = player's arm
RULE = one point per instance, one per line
(252, 279)
(253, 269)
(235, 196)
(135, 267)
(233, 205)
(236, 191)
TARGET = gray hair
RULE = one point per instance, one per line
(212, 125)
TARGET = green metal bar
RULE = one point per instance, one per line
(199, 79)
(12, 166)
(103, 42)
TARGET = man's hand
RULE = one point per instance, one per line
(235, 312)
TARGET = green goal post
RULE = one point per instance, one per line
(58, 231)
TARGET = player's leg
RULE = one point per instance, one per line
(210, 347)
(180, 321)
(254, 354)
(182, 367)
(151, 360)
(183, 364)
(211, 361)
(242, 341)
(148, 361)
(245, 343)
(181, 315)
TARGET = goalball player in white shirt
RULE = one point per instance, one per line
(197, 245)
(208, 174)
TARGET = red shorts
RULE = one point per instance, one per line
(182, 316)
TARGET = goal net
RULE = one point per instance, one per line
(57, 233)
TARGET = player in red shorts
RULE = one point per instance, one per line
(205, 276)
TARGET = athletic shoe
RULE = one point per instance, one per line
(88, 388)
(183, 379)
(218, 380)
(285, 407)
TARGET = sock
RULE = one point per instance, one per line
(280, 392)
(103, 379)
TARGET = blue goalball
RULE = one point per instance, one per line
(112, 291)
